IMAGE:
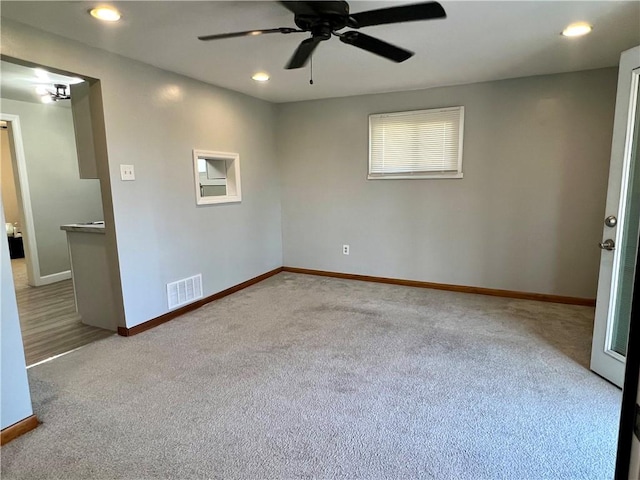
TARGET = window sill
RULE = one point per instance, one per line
(220, 199)
(415, 177)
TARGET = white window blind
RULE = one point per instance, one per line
(418, 144)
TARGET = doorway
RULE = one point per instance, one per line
(42, 190)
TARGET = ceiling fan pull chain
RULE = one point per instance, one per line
(311, 64)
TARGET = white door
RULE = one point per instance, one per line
(620, 229)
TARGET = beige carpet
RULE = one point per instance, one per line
(310, 377)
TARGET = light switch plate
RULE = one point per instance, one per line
(127, 173)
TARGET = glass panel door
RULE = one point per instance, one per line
(628, 246)
(620, 228)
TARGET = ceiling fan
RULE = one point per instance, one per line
(325, 18)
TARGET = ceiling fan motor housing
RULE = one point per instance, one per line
(322, 18)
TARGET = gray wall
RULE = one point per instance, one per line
(58, 195)
(9, 196)
(527, 216)
(153, 120)
(15, 401)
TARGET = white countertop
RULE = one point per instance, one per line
(89, 227)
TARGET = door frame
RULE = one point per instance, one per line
(20, 174)
(604, 362)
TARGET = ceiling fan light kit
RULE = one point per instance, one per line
(50, 96)
(324, 19)
(41, 73)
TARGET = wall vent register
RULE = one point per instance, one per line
(184, 291)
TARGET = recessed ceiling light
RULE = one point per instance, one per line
(42, 90)
(41, 73)
(577, 29)
(260, 77)
(108, 14)
(46, 99)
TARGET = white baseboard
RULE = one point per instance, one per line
(53, 278)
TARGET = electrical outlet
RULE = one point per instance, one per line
(345, 249)
(127, 173)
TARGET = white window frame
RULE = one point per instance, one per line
(232, 180)
(419, 175)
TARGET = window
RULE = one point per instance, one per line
(217, 177)
(418, 144)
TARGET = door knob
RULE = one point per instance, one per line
(611, 221)
(608, 244)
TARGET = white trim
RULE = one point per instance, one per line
(233, 177)
(435, 176)
(55, 277)
(449, 174)
(28, 229)
(615, 355)
(622, 209)
(460, 141)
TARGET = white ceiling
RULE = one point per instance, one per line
(478, 41)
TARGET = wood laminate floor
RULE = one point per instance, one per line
(48, 318)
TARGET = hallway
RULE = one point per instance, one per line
(48, 319)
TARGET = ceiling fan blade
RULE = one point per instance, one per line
(303, 52)
(316, 8)
(374, 45)
(248, 33)
(299, 8)
(404, 13)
